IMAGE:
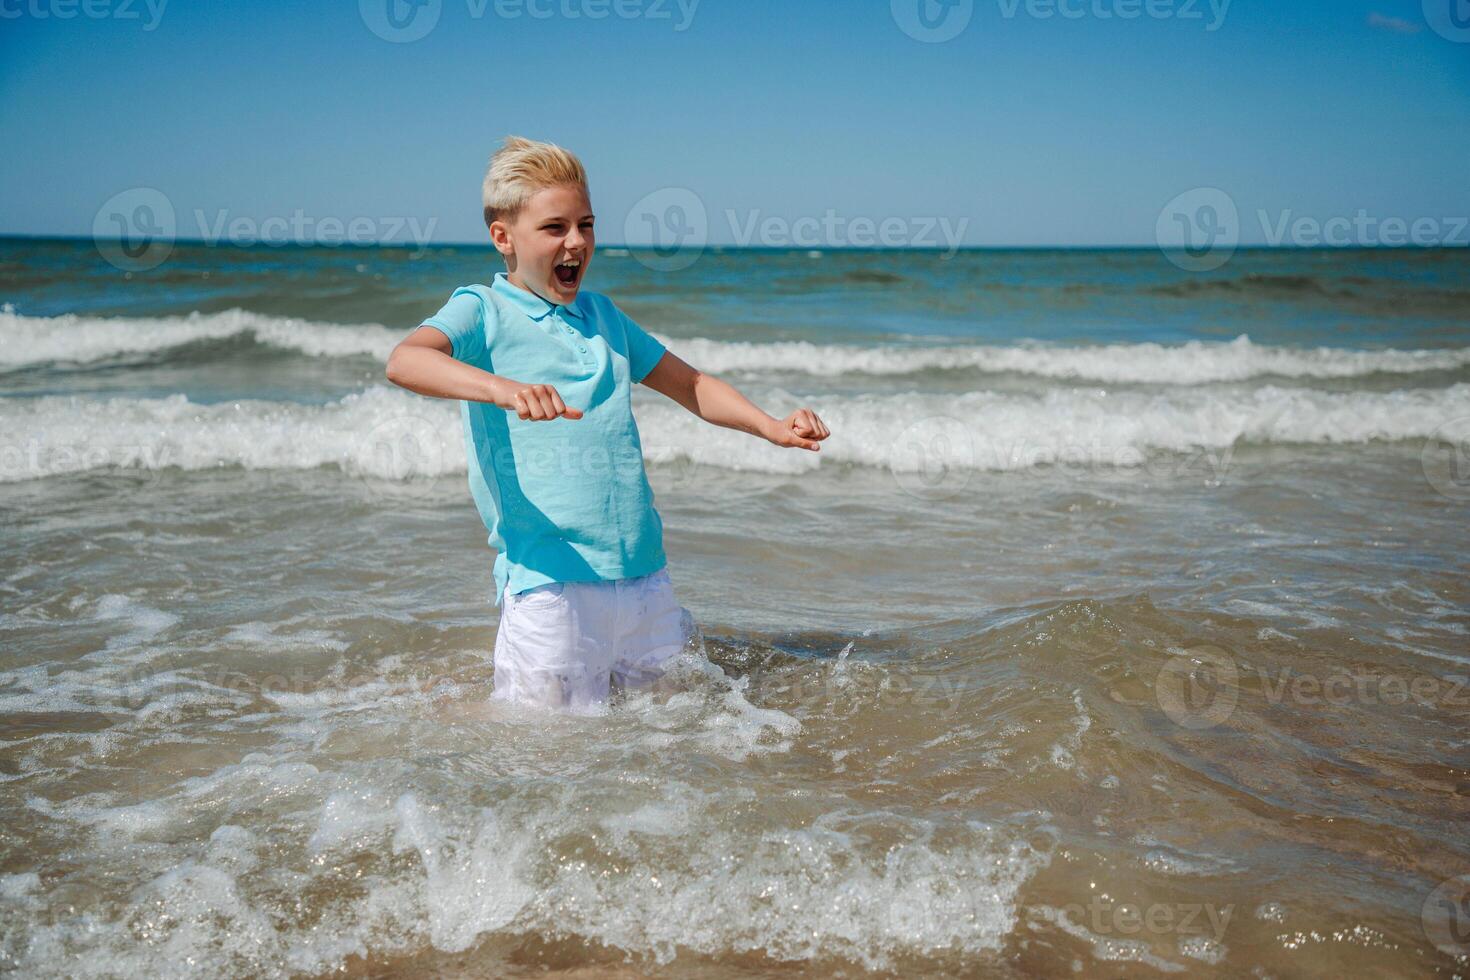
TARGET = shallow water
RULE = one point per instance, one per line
(1078, 650)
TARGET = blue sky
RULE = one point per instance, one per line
(1022, 129)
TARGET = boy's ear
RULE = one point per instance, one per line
(500, 238)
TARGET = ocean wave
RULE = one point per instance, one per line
(1190, 363)
(386, 433)
(1270, 285)
(75, 339)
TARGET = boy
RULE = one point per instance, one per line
(543, 372)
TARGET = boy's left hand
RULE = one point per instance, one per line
(802, 428)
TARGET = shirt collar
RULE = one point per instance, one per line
(529, 303)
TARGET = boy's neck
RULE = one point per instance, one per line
(515, 280)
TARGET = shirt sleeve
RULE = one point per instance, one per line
(644, 350)
(462, 320)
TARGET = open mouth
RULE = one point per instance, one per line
(567, 273)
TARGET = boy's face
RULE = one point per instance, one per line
(548, 244)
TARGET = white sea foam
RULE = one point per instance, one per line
(384, 433)
(467, 872)
(72, 339)
(26, 340)
(1194, 362)
(434, 865)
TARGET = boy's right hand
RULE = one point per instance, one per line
(535, 403)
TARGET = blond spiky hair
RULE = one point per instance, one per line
(520, 168)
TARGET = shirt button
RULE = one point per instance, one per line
(582, 349)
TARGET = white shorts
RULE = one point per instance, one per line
(567, 644)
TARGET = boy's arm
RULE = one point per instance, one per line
(719, 403)
(424, 362)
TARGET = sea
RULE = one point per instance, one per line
(1120, 628)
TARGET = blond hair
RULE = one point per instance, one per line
(520, 168)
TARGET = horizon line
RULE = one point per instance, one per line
(712, 246)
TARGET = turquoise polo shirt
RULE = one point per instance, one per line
(566, 500)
